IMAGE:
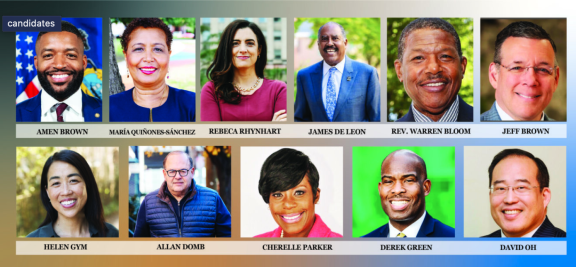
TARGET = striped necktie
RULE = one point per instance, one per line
(401, 235)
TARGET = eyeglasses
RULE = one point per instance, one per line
(519, 69)
(519, 189)
(183, 172)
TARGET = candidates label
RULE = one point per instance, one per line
(31, 23)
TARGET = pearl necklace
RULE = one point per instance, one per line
(242, 90)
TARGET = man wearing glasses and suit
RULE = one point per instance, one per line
(519, 195)
(524, 74)
(181, 208)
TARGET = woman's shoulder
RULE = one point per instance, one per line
(181, 93)
(279, 85)
(44, 231)
(112, 231)
(273, 233)
(209, 86)
(122, 96)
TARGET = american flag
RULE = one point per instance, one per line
(27, 84)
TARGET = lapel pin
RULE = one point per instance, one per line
(97, 115)
(349, 78)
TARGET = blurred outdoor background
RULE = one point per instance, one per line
(274, 29)
(213, 170)
(367, 212)
(29, 163)
(398, 100)
(182, 60)
(363, 36)
(556, 28)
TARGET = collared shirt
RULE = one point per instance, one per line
(410, 231)
(72, 113)
(526, 235)
(337, 78)
(505, 117)
(451, 114)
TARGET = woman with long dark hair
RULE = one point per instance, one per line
(70, 196)
(238, 90)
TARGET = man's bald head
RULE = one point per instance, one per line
(404, 156)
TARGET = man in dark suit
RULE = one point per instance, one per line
(431, 66)
(337, 88)
(519, 195)
(60, 62)
(522, 94)
(403, 188)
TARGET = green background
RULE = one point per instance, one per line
(367, 213)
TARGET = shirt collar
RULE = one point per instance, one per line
(410, 231)
(526, 235)
(505, 117)
(451, 115)
(339, 66)
(74, 101)
(48, 230)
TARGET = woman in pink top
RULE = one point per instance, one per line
(289, 184)
(238, 90)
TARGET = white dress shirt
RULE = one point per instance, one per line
(410, 231)
(72, 113)
(337, 78)
(505, 117)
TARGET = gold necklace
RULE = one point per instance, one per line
(242, 90)
(161, 100)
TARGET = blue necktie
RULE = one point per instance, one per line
(331, 94)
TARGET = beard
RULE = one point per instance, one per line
(73, 85)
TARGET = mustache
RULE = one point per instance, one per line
(440, 76)
(68, 71)
(399, 197)
(330, 47)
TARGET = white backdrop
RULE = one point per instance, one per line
(255, 216)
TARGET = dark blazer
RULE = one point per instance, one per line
(430, 228)
(492, 115)
(48, 231)
(29, 110)
(465, 113)
(358, 98)
(547, 229)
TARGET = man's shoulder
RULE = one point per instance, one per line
(310, 68)
(206, 191)
(491, 114)
(494, 234)
(29, 103)
(361, 65)
(151, 194)
(442, 230)
(87, 99)
(381, 231)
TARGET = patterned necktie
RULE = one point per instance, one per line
(59, 110)
(331, 94)
(401, 235)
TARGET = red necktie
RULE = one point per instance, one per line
(59, 111)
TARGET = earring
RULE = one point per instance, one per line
(168, 75)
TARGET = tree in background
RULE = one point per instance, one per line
(363, 35)
(398, 100)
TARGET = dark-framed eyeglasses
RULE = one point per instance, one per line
(172, 173)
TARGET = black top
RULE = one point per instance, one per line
(48, 231)
(547, 229)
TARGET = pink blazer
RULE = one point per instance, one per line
(319, 229)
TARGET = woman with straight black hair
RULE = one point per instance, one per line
(237, 90)
(70, 196)
(289, 185)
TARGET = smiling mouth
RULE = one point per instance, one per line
(527, 96)
(68, 203)
(59, 78)
(148, 70)
(398, 205)
(243, 57)
(331, 50)
(511, 211)
(292, 218)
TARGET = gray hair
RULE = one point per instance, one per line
(428, 23)
(331, 22)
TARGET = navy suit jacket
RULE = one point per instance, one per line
(430, 228)
(29, 110)
(358, 98)
(547, 229)
(465, 113)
